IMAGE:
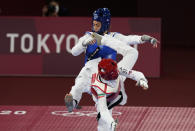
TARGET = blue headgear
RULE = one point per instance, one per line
(102, 15)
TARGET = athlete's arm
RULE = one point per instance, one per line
(130, 39)
(136, 39)
(80, 47)
(137, 76)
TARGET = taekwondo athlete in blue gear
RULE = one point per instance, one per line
(95, 50)
(92, 52)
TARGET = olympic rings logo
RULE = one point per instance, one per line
(81, 113)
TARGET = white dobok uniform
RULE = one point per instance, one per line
(118, 42)
(105, 94)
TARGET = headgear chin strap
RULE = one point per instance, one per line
(102, 15)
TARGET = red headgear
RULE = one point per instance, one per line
(107, 68)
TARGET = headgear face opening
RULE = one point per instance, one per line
(102, 15)
(107, 69)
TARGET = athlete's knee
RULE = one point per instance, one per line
(133, 52)
(124, 100)
(130, 51)
(136, 53)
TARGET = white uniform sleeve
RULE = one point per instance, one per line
(79, 48)
(130, 39)
(136, 75)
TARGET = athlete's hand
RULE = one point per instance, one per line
(89, 41)
(97, 37)
(152, 40)
(143, 83)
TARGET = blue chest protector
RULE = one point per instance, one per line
(94, 51)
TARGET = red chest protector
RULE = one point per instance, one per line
(111, 92)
